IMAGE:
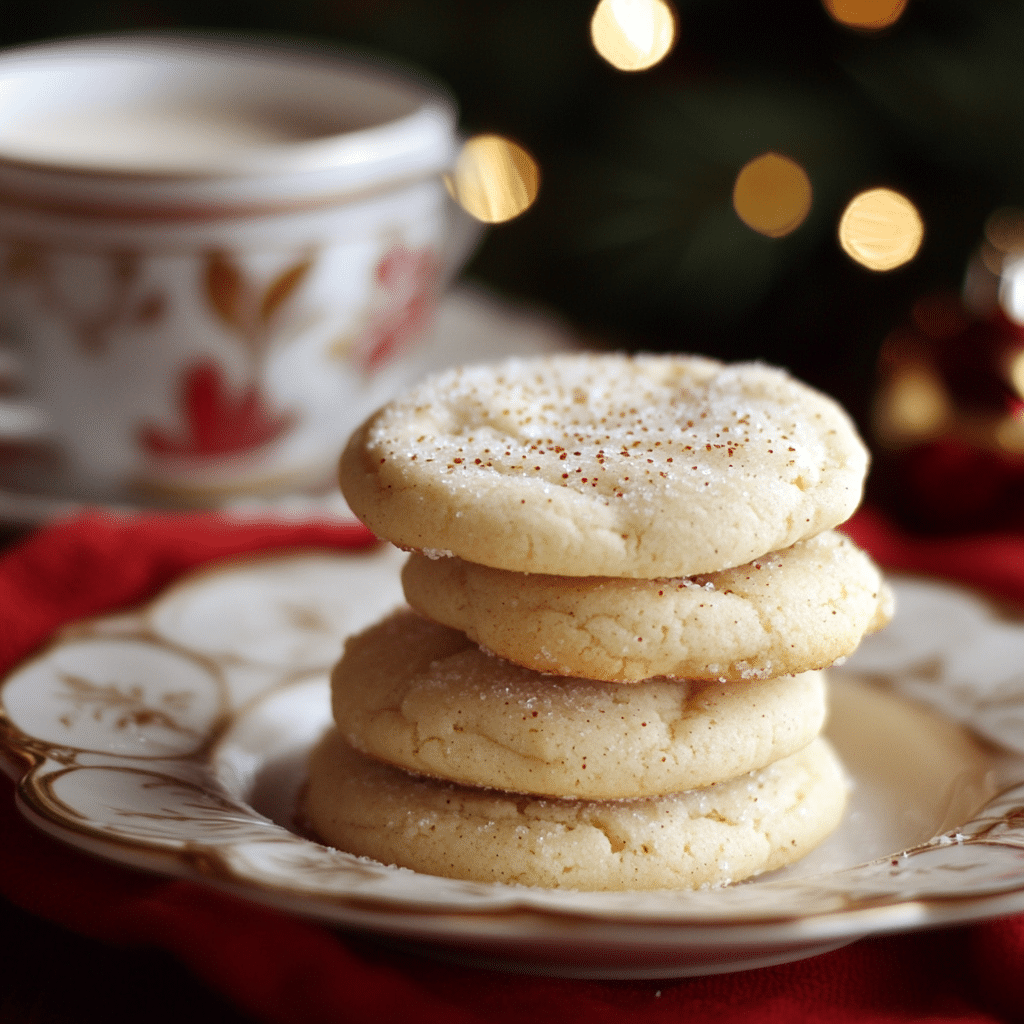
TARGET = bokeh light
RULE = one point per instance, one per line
(494, 178)
(866, 15)
(633, 35)
(772, 195)
(1004, 236)
(1009, 435)
(912, 406)
(881, 229)
(1015, 373)
(1005, 229)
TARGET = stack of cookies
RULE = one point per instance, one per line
(624, 584)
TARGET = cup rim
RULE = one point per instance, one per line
(416, 144)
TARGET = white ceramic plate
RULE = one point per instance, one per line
(173, 738)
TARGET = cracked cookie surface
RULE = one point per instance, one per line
(423, 697)
(712, 836)
(606, 465)
(790, 611)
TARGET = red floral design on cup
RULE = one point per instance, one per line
(406, 282)
(216, 422)
(212, 319)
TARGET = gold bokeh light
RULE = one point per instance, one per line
(772, 195)
(1009, 435)
(633, 35)
(913, 406)
(881, 229)
(1015, 373)
(494, 179)
(866, 15)
(1004, 236)
(1004, 229)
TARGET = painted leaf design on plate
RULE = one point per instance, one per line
(127, 704)
(308, 618)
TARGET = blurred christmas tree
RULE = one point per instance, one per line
(634, 235)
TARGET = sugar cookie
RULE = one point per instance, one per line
(423, 697)
(688, 840)
(606, 465)
(795, 610)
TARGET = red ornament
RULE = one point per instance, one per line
(948, 420)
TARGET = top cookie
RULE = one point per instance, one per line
(606, 465)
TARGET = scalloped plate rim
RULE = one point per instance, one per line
(520, 925)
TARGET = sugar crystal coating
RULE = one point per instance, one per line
(614, 465)
(687, 840)
(792, 611)
(421, 696)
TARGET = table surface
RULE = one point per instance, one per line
(49, 975)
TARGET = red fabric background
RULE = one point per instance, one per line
(282, 969)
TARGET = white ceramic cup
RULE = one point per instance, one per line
(216, 257)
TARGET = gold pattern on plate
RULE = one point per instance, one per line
(127, 704)
(189, 814)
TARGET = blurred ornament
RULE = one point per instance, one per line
(881, 229)
(772, 195)
(949, 418)
(633, 35)
(866, 15)
(494, 179)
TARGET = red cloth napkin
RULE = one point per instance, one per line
(284, 969)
